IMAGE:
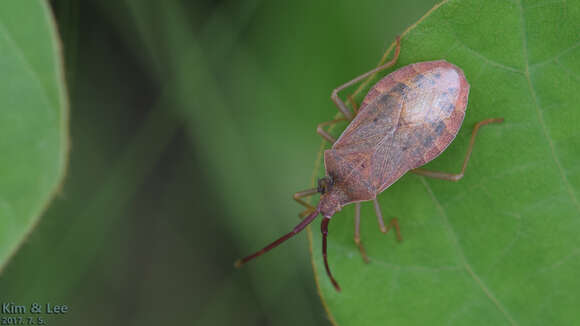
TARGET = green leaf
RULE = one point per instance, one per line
(33, 131)
(499, 247)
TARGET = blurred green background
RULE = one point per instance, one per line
(192, 124)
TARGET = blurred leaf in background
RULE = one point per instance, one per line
(192, 123)
(33, 126)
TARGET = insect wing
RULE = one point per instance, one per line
(374, 124)
(427, 124)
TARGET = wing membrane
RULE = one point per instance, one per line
(375, 122)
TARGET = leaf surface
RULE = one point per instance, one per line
(500, 247)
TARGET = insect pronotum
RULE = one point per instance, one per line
(406, 120)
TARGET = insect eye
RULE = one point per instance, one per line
(324, 185)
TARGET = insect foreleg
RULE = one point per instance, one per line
(353, 104)
(336, 99)
(323, 133)
(458, 176)
(305, 193)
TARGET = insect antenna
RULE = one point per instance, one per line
(307, 220)
(324, 229)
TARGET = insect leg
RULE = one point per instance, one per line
(393, 223)
(353, 104)
(334, 96)
(305, 193)
(357, 241)
(379, 216)
(458, 176)
(320, 129)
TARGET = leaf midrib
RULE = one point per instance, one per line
(561, 171)
(462, 258)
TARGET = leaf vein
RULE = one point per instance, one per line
(567, 71)
(462, 257)
(488, 60)
(556, 57)
(539, 111)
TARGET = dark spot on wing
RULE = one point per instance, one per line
(452, 90)
(428, 141)
(439, 127)
(375, 119)
(385, 104)
(437, 75)
(385, 99)
(448, 108)
(406, 144)
(418, 78)
(400, 88)
(429, 80)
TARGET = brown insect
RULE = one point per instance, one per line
(406, 120)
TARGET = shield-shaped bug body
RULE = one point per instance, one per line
(406, 120)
